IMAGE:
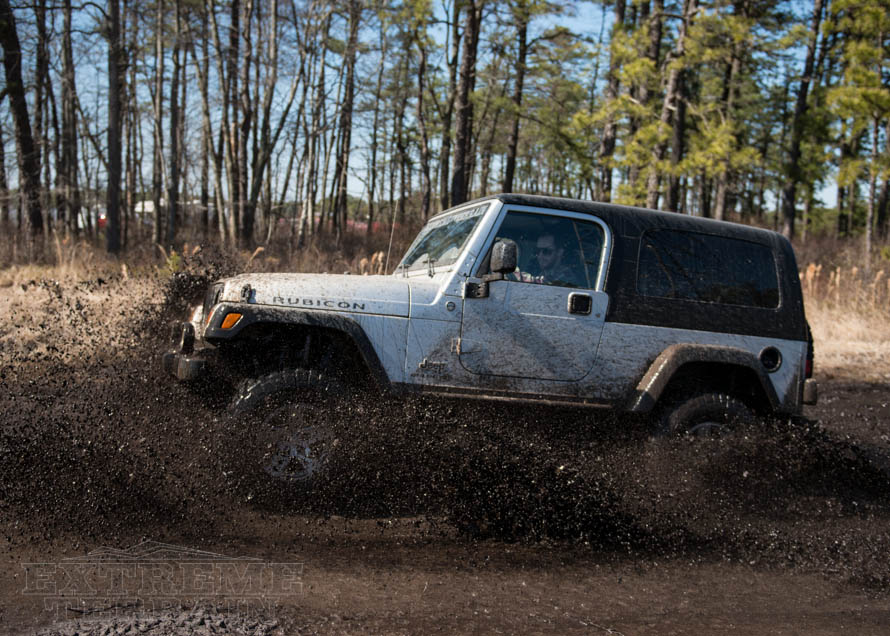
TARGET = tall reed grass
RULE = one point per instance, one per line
(849, 311)
(848, 307)
(64, 258)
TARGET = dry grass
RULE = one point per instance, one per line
(78, 294)
(848, 309)
(63, 259)
(849, 312)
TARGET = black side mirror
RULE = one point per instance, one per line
(504, 255)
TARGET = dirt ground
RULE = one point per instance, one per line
(441, 517)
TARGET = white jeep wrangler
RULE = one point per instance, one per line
(521, 298)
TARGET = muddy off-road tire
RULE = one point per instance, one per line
(704, 415)
(289, 426)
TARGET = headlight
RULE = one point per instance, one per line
(212, 297)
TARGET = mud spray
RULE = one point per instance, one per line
(98, 444)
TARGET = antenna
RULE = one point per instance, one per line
(392, 231)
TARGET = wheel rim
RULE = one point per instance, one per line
(708, 428)
(297, 456)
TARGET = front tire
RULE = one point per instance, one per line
(705, 415)
(288, 420)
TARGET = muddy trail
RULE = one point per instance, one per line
(98, 447)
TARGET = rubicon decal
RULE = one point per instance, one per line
(320, 303)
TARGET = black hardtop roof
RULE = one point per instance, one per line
(629, 220)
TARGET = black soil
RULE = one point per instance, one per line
(97, 443)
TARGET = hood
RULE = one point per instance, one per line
(384, 295)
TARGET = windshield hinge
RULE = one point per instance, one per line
(476, 290)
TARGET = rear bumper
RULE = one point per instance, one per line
(810, 392)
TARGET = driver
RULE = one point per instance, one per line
(549, 259)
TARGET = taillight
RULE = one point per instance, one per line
(808, 367)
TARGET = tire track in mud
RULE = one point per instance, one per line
(97, 443)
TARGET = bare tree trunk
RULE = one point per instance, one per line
(342, 167)
(392, 175)
(173, 175)
(88, 216)
(792, 167)
(243, 131)
(487, 146)
(463, 104)
(328, 142)
(130, 115)
(29, 156)
(678, 145)
(115, 68)
(206, 136)
(872, 191)
(522, 18)
(4, 187)
(448, 111)
(884, 199)
(52, 154)
(704, 196)
(690, 8)
(807, 211)
(729, 101)
(223, 157)
(425, 187)
(68, 168)
(881, 210)
(610, 130)
(639, 90)
(41, 80)
(267, 138)
(654, 20)
(655, 23)
(401, 142)
(307, 216)
(372, 167)
(158, 156)
(231, 125)
(139, 144)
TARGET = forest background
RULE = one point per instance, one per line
(289, 124)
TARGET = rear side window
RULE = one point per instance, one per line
(706, 268)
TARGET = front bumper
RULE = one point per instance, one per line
(185, 362)
(185, 368)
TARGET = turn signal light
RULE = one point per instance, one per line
(230, 320)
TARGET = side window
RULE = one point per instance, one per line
(706, 268)
(554, 250)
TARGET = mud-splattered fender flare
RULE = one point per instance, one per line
(257, 314)
(650, 387)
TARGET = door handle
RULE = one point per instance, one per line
(580, 303)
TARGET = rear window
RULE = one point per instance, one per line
(707, 268)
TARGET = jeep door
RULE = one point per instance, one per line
(544, 320)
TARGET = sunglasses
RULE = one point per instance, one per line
(544, 251)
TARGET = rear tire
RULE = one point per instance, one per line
(705, 415)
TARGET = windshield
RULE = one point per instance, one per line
(441, 241)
